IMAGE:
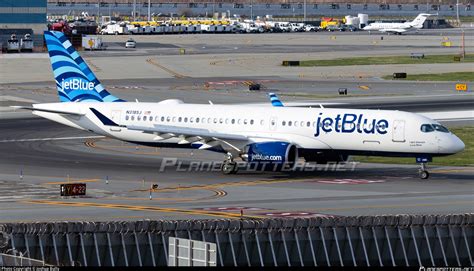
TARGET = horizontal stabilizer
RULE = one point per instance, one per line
(48, 110)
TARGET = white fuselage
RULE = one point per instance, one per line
(350, 130)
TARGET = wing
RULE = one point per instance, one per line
(204, 138)
(393, 30)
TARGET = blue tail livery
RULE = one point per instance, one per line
(74, 79)
(274, 99)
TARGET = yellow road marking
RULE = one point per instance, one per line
(140, 208)
(242, 183)
(364, 87)
(156, 64)
(74, 181)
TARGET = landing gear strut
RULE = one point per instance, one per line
(229, 166)
(424, 174)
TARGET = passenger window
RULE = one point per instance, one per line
(180, 119)
(289, 123)
(191, 119)
(251, 122)
(185, 119)
(233, 121)
(296, 124)
(226, 121)
(174, 119)
(151, 118)
(283, 123)
(239, 121)
(168, 119)
(426, 128)
(139, 117)
(308, 124)
(162, 119)
(133, 118)
(221, 121)
(197, 120)
(126, 117)
(245, 121)
(262, 122)
(144, 118)
(156, 118)
(209, 120)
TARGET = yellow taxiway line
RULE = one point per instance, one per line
(141, 208)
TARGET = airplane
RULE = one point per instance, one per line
(273, 134)
(399, 28)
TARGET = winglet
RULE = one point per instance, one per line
(274, 100)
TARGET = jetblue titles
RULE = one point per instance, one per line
(350, 123)
(77, 84)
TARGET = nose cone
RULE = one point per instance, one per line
(454, 145)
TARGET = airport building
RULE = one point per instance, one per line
(22, 17)
(252, 8)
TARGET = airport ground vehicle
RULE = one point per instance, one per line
(333, 28)
(130, 43)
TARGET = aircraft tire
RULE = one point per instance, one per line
(424, 174)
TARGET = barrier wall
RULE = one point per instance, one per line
(402, 240)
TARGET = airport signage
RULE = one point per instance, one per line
(461, 87)
(73, 189)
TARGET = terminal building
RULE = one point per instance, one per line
(22, 17)
(253, 8)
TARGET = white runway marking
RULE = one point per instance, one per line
(49, 139)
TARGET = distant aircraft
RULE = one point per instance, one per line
(261, 134)
(399, 28)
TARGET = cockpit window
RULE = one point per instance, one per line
(426, 128)
(440, 128)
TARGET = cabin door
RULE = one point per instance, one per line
(398, 132)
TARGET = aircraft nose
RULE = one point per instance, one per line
(455, 144)
(458, 145)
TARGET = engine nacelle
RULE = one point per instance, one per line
(271, 153)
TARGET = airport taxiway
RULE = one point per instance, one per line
(38, 155)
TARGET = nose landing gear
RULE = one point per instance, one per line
(424, 174)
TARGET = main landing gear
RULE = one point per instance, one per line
(229, 166)
(424, 174)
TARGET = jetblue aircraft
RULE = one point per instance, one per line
(399, 28)
(262, 134)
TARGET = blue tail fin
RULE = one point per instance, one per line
(274, 99)
(74, 79)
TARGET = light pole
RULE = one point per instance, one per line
(457, 11)
(149, 10)
(251, 10)
(134, 9)
(304, 11)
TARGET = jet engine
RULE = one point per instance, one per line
(271, 153)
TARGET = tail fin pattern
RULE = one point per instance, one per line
(74, 79)
(274, 100)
